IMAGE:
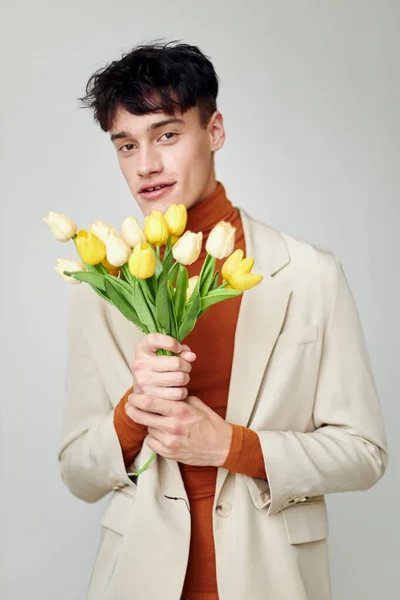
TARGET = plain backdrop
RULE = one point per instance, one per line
(310, 96)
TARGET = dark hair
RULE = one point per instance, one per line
(151, 77)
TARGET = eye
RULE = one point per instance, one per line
(127, 147)
(169, 133)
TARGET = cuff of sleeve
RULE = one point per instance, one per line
(245, 453)
(130, 434)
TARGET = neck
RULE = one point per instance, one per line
(210, 209)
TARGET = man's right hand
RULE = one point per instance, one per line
(162, 376)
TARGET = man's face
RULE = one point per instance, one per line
(157, 148)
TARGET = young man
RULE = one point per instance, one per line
(270, 406)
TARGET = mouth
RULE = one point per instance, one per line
(151, 193)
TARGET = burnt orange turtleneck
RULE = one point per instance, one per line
(213, 341)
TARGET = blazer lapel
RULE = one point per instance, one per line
(261, 316)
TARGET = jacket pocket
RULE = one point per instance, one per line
(304, 334)
(306, 522)
(114, 524)
(117, 514)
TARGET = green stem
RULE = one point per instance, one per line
(146, 464)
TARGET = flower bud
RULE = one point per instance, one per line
(65, 264)
(100, 230)
(191, 285)
(236, 271)
(91, 250)
(176, 218)
(132, 233)
(142, 262)
(61, 226)
(187, 249)
(156, 229)
(221, 240)
(117, 250)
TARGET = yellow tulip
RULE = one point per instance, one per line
(142, 262)
(61, 226)
(173, 240)
(156, 229)
(65, 264)
(91, 250)
(117, 250)
(236, 271)
(187, 249)
(100, 230)
(132, 233)
(221, 240)
(176, 219)
(112, 269)
(191, 285)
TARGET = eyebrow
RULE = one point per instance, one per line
(157, 125)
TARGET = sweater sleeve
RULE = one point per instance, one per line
(130, 434)
(245, 455)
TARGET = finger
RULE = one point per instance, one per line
(168, 393)
(188, 355)
(149, 419)
(150, 403)
(156, 446)
(169, 379)
(161, 364)
(156, 341)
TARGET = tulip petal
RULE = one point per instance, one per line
(245, 282)
(231, 263)
(245, 266)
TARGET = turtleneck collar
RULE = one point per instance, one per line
(207, 213)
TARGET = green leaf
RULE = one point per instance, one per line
(180, 293)
(142, 309)
(218, 296)
(207, 275)
(214, 283)
(173, 322)
(168, 260)
(190, 315)
(159, 267)
(94, 279)
(163, 305)
(147, 294)
(113, 292)
(127, 274)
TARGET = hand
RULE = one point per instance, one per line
(162, 376)
(189, 432)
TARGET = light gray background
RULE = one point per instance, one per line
(310, 95)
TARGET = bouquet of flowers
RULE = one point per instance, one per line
(152, 289)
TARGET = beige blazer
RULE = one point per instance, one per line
(301, 378)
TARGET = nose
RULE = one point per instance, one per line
(149, 162)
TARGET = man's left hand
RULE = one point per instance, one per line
(187, 431)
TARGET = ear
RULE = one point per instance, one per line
(217, 131)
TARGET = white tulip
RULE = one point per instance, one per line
(132, 233)
(61, 226)
(65, 264)
(100, 230)
(117, 250)
(221, 240)
(191, 285)
(187, 249)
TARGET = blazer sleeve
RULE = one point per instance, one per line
(348, 449)
(90, 455)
